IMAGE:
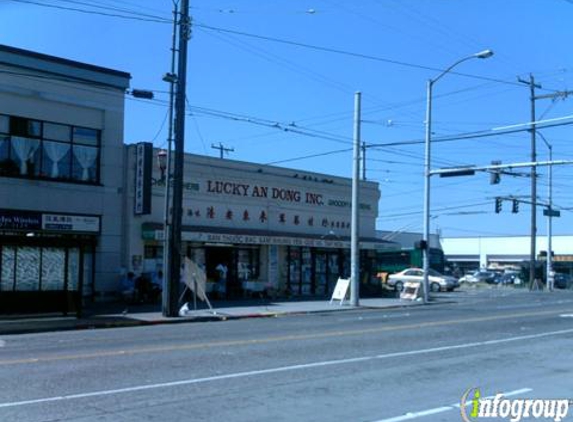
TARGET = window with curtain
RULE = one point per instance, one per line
(25, 155)
(47, 150)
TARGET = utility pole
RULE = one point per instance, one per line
(563, 94)
(171, 78)
(222, 149)
(363, 160)
(532, 255)
(354, 227)
(175, 250)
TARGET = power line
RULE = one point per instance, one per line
(348, 53)
(94, 12)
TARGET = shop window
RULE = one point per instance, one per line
(28, 269)
(88, 277)
(7, 276)
(73, 269)
(53, 268)
(248, 264)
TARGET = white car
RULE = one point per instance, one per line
(437, 282)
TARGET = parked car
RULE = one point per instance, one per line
(480, 276)
(437, 282)
(563, 281)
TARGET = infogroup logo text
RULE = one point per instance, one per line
(474, 408)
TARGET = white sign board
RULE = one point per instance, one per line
(412, 291)
(76, 223)
(340, 290)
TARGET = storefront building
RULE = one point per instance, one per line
(61, 146)
(276, 230)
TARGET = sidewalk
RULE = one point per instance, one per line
(108, 315)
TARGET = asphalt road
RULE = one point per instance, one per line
(363, 366)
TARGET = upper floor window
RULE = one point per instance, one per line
(35, 149)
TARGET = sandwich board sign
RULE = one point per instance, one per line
(340, 290)
(412, 291)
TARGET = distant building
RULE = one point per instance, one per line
(61, 180)
(407, 240)
(471, 253)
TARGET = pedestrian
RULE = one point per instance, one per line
(222, 271)
(157, 283)
(127, 288)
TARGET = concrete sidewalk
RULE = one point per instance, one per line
(108, 315)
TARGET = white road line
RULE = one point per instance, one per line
(193, 381)
(409, 416)
(414, 415)
(566, 315)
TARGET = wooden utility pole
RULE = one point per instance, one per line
(171, 305)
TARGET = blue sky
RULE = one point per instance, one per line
(239, 86)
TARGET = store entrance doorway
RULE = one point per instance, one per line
(221, 269)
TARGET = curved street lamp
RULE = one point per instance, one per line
(426, 235)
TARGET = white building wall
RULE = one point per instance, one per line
(60, 100)
(516, 247)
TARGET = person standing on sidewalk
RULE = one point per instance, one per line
(222, 271)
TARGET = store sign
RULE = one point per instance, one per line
(262, 240)
(143, 168)
(73, 223)
(267, 192)
(20, 220)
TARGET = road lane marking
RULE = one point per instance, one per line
(294, 337)
(280, 369)
(566, 315)
(410, 416)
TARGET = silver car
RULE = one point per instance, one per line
(437, 282)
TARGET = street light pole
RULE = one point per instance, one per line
(427, 167)
(549, 267)
(354, 226)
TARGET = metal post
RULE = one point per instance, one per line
(168, 172)
(427, 163)
(532, 254)
(363, 160)
(175, 247)
(550, 275)
(354, 228)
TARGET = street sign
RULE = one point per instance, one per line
(551, 213)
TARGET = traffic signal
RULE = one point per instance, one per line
(495, 174)
(498, 203)
(515, 206)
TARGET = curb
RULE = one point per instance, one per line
(21, 327)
